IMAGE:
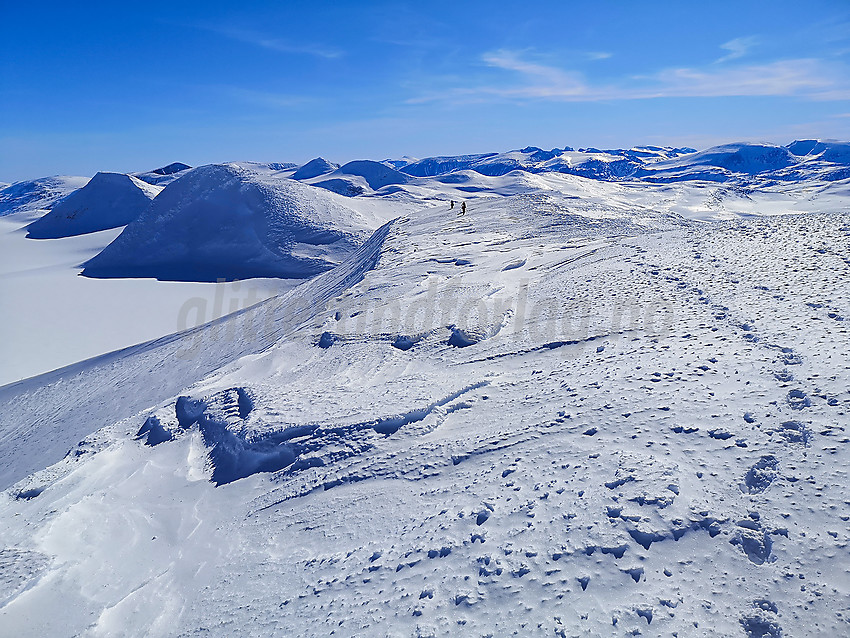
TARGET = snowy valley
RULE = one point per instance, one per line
(609, 398)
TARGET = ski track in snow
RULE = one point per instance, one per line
(541, 418)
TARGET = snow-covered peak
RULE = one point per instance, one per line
(37, 194)
(314, 168)
(108, 200)
(164, 174)
(227, 221)
(377, 175)
(741, 157)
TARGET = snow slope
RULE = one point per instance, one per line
(625, 423)
(226, 221)
(314, 168)
(579, 409)
(38, 195)
(104, 387)
(108, 200)
(62, 318)
(376, 174)
(164, 174)
(352, 179)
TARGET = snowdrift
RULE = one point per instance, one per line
(99, 391)
(37, 194)
(233, 222)
(109, 200)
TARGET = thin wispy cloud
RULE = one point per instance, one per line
(277, 44)
(546, 80)
(806, 77)
(737, 48)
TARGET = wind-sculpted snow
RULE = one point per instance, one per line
(239, 447)
(570, 411)
(102, 390)
(232, 222)
(37, 195)
(108, 200)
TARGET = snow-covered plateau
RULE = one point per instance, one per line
(610, 396)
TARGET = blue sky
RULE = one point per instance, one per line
(131, 86)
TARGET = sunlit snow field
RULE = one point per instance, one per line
(587, 406)
(52, 317)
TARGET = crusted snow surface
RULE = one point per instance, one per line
(565, 413)
(105, 388)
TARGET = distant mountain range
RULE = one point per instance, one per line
(740, 162)
(253, 219)
(802, 159)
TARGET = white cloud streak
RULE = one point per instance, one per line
(277, 44)
(804, 77)
(737, 48)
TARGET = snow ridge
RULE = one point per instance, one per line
(102, 390)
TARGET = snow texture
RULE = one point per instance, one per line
(587, 407)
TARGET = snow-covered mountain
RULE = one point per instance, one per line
(729, 162)
(38, 195)
(231, 222)
(314, 168)
(601, 404)
(354, 178)
(108, 200)
(164, 174)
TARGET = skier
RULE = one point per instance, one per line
(463, 208)
(452, 204)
